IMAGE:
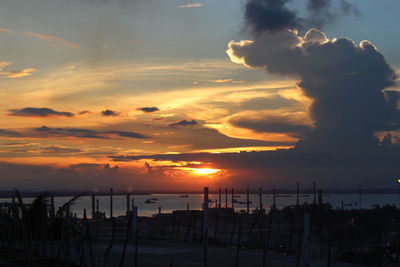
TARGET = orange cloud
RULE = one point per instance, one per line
(50, 38)
(6, 30)
(191, 5)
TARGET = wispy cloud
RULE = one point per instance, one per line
(6, 30)
(15, 73)
(191, 5)
(53, 39)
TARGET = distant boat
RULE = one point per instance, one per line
(151, 200)
(305, 195)
(283, 196)
(184, 196)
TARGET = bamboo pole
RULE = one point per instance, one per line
(248, 201)
(233, 198)
(307, 247)
(219, 198)
(111, 202)
(205, 228)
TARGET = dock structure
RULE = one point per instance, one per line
(299, 232)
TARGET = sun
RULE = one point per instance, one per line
(204, 171)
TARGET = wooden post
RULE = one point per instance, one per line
(239, 241)
(128, 204)
(261, 203)
(219, 198)
(205, 227)
(233, 199)
(187, 206)
(52, 208)
(93, 207)
(248, 201)
(97, 205)
(315, 197)
(320, 198)
(359, 196)
(111, 202)
(298, 194)
(226, 197)
(134, 222)
(274, 198)
(307, 247)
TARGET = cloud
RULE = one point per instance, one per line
(274, 15)
(84, 112)
(148, 109)
(108, 112)
(6, 30)
(39, 112)
(190, 5)
(183, 123)
(222, 81)
(53, 39)
(286, 123)
(344, 79)
(16, 73)
(47, 132)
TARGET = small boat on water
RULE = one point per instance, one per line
(283, 196)
(151, 200)
(184, 196)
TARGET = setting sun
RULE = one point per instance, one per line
(205, 171)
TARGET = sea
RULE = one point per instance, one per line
(170, 202)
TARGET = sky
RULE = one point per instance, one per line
(177, 95)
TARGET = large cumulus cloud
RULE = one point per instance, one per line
(345, 80)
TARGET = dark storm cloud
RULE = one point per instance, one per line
(270, 15)
(148, 109)
(108, 112)
(39, 112)
(183, 123)
(345, 80)
(275, 15)
(272, 124)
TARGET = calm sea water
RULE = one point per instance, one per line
(170, 202)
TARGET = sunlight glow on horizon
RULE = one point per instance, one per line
(205, 171)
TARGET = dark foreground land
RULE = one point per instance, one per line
(37, 235)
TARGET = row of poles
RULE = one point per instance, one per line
(307, 245)
(131, 202)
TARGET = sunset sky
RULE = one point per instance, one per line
(177, 95)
